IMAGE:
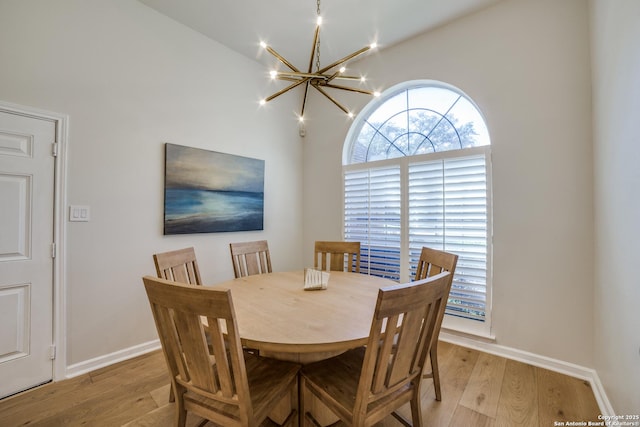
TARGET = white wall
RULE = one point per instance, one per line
(616, 109)
(526, 64)
(130, 79)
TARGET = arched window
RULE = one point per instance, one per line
(416, 165)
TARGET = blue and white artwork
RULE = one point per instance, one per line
(210, 192)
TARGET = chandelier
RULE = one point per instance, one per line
(321, 78)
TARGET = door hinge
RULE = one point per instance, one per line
(53, 250)
(52, 352)
(54, 149)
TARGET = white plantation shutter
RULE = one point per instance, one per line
(372, 216)
(448, 211)
(417, 173)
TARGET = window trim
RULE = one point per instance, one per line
(367, 110)
(450, 322)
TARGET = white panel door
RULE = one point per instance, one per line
(26, 264)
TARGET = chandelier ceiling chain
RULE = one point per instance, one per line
(322, 77)
(318, 41)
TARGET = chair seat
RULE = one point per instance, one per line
(339, 377)
(266, 377)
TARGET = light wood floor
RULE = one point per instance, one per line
(478, 389)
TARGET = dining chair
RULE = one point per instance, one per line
(250, 258)
(337, 256)
(178, 266)
(432, 262)
(365, 385)
(238, 389)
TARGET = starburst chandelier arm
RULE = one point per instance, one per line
(280, 58)
(313, 47)
(338, 76)
(304, 100)
(288, 79)
(330, 98)
(284, 75)
(333, 76)
(351, 89)
(345, 59)
(286, 89)
(302, 75)
(341, 77)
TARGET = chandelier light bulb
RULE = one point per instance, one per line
(263, 101)
(376, 94)
(363, 79)
(342, 69)
(319, 21)
(350, 114)
(273, 74)
(263, 45)
(373, 45)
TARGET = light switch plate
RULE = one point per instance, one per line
(78, 213)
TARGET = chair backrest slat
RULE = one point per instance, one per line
(433, 262)
(382, 366)
(218, 348)
(170, 341)
(250, 258)
(178, 266)
(402, 330)
(200, 371)
(337, 256)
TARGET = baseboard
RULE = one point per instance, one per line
(555, 365)
(549, 363)
(601, 396)
(109, 359)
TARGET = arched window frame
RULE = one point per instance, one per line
(392, 198)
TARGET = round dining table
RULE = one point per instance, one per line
(278, 317)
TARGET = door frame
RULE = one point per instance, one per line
(59, 320)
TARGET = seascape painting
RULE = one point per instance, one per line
(210, 192)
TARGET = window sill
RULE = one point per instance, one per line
(464, 328)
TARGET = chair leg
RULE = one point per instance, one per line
(302, 383)
(306, 418)
(178, 392)
(291, 420)
(181, 412)
(314, 423)
(433, 355)
(295, 404)
(416, 410)
(401, 419)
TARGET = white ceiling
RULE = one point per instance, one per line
(288, 25)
